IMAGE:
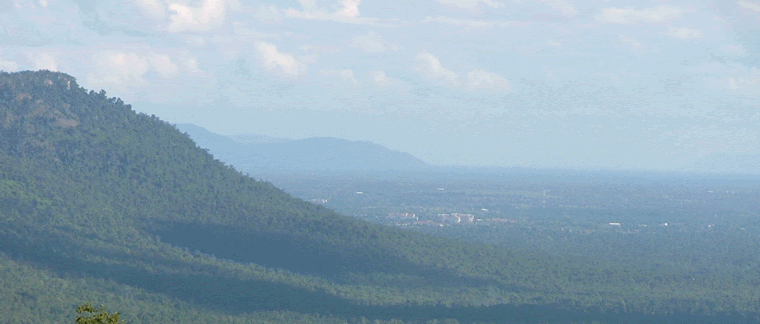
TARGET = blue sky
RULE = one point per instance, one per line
(544, 83)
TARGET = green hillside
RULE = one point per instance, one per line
(101, 204)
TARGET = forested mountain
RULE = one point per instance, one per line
(311, 154)
(101, 204)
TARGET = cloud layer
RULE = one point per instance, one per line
(550, 79)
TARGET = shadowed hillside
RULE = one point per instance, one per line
(99, 203)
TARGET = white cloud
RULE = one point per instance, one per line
(131, 69)
(152, 8)
(271, 59)
(191, 65)
(749, 83)
(380, 78)
(431, 67)
(348, 8)
(118, 68)
(268, 14)
(185, 18)
(745, 83)
(308, 59)
(482, 79)
(43, 61)
(374, 43)
(345, 75)
(23, 4)
(631, 42)
(308, 5)
(628, 15)
(8, 66)
(554, 43)
(477, 79)
(346, 11)
(565, 7)
(749, 5)
(471, 23)
(163, 65)
(684, 33)
(471, 4)
(730, 76)
(733, 50)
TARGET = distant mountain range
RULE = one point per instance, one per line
(259, 153)
(101, 204)
(263, 154)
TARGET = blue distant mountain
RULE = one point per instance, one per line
(258, 153)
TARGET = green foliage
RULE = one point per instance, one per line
(91, 315)
(102, 203)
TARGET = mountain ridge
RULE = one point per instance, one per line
(100, 203)
(96, 195)
(309, 154)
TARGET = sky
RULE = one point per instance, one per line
(584, 84)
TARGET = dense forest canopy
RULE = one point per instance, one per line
(100, 203)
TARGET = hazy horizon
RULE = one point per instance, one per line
(652, 85)
(252, 138)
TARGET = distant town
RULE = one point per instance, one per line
(550, 209)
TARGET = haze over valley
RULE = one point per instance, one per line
(102, 203)
(387, 162)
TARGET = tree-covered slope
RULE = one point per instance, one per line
(99, 203)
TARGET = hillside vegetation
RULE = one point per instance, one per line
(101, 204)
